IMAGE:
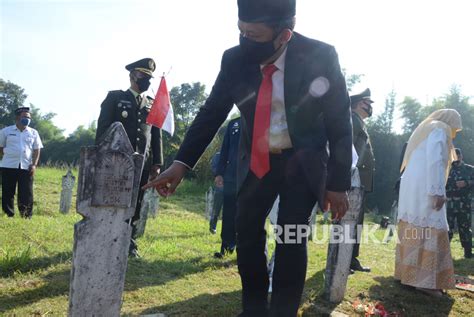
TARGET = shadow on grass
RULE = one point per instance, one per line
(229, 304)
(222, 304)
(406, 300)
(23, 263)
(140, 273)
(54, 284)
(464, 266)
(313, 294)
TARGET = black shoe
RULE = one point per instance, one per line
(356, 266)
(218, 255)
(351, 271)
(213, 231)
(133, 254)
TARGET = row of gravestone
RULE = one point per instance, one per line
(108, 185)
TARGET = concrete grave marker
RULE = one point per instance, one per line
(340, 254)
(149, 207)
(109, 179)
(65, 201)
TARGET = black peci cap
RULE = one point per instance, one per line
(260, 11)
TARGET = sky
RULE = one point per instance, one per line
(67, 54)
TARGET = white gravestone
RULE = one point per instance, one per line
(109, 179)
(67, 184)
(340, 253)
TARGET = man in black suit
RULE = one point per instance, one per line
(293, 101)
(131, 108)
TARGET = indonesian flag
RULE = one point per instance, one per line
(161, 113)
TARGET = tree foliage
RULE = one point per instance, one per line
(11, 97)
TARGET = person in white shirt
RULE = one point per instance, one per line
(423, 256)
(20, 151)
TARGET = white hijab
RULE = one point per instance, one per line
(447, 119)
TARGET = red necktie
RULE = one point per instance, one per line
(260, 157)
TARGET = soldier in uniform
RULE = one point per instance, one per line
(361, 106)
(459, 191)
(131, 108)
(227, 177)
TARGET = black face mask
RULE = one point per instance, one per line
(368, 110)
(143, 84)
(256, 52)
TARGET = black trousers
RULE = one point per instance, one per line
(228, 234)
(11, 177)
(255, 199)
(136, 216)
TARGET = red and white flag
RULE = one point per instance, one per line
(161, 114)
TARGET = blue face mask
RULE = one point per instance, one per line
(25, 121)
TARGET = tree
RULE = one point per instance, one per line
(387, 147)
(67, 150)
(11, 97)
(352, 79)
(47, 130)
(186, 100)
(411, 114)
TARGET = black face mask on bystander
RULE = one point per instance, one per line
(143, 84)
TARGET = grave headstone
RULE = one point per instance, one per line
(340, 252)
(149, 207)
(67, 185)
(108, 184)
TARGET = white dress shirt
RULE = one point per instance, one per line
(18, 146)
(279, 138)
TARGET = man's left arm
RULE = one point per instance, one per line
(157, 151)
(337, 121)
(37, 145)
(34, 161)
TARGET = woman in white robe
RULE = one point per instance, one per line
(423, 255)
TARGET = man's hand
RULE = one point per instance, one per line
(337, 202)
(166, 183)
(219, 181)
(32, 169)
(154, 172)
(438, 202)
(461, 184)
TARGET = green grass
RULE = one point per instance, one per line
(177, 274)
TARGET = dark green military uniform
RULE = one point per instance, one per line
(132, 111)
(122, 106)
(459, 203)
(366, 162)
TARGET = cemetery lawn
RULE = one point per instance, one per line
(177, 274)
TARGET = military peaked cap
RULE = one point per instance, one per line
(365, 95)
(145, 65)
(258, 11)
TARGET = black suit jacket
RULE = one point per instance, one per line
(122, 106)
(311, 67)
